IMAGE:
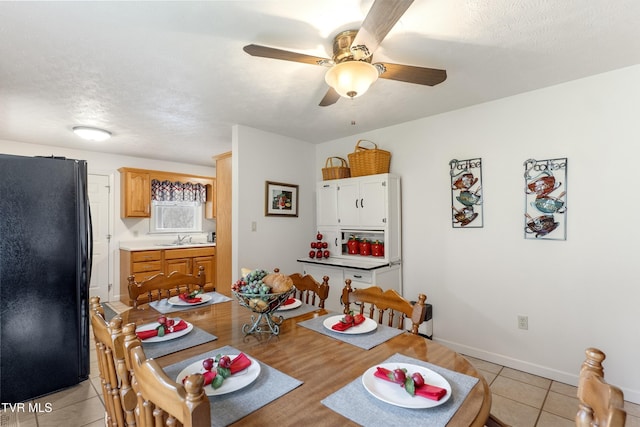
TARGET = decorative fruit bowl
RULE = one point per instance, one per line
(262, 293)
(263, 306)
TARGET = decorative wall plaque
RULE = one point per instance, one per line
(466, 193)
(545, 199)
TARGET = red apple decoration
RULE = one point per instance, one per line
(312, 254)
(325, 245)
(319, 236)
(326, 254)
(314, 245)
(319, 253)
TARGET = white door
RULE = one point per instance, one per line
(98, 190)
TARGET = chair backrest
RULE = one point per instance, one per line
(107, 364)
(161, 401)
(600, 404)
(389, 304)
(164, 286)
(309, 289)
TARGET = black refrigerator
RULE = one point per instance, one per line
(45, 268)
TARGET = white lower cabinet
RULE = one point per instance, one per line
(388, 277)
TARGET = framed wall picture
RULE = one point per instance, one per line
(545, 207)
(280, 199)
(466, 193)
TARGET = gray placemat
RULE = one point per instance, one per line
(109, 312)
(356, 403)
(164, 307)
(196, 337)
(229, 408)
(364, 341)
(298, 311)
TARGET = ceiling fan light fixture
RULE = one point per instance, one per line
(91, 134)
(351, 78)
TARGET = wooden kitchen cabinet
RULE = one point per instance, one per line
(135, 195)
(188, 261)
(145, 264)
(209, 264)
(135, 191)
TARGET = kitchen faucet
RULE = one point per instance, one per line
(183, 239)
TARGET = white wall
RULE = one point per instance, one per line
(278, 241)
(107, 164)
(577, 293)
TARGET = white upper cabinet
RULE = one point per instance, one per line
(363, 202)
(327, 201)
(366, 201)
(361, 205)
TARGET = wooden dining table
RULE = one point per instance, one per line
(322, 363)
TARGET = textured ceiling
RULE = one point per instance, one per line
(169, 79)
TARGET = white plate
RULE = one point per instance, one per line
(234, 382)
(297, 303)
(395, 394)
(367, 326)
(166, 337)
(177, 301)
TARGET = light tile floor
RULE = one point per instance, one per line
(519, 399)
(524, 400)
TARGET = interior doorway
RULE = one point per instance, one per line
(98, 189)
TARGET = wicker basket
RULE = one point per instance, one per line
(369, 161)
(329, 171)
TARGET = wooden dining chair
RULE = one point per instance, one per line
(308, 289)
(494, 421)
(600, 404)
(164, 286)
(161, 401)
(107, 364)
(389, 304)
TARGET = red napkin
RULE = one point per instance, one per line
(143, 335)
(239, 363)
(289, 301)
(426, 390)
(185, 297)
(342, 326)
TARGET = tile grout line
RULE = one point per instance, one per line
(546, 395)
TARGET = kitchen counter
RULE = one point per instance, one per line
(355, 262)
(149, 245)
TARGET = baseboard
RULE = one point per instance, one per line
(531, 368)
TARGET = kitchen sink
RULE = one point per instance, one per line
(173, 244)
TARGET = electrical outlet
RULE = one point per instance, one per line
(523, 322)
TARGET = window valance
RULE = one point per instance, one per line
(167, 191)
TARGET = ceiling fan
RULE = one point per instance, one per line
(351, 71)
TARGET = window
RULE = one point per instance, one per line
(176, 217)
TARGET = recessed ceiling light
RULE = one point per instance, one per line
(91, 134)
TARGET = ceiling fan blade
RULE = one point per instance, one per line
(382, 16)
(270, 52)
(330, 98)
(411, 74)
